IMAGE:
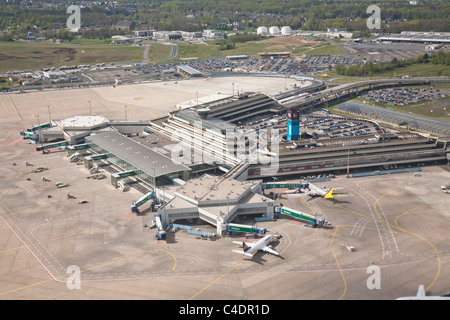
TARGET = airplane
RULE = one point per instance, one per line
(252, 248)
(315, 191)
(421, 295)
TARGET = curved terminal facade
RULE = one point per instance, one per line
(212, 156)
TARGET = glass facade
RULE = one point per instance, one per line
(146, 177)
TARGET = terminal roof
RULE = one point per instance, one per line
(136, 154)
(83, 122)
(210, 188)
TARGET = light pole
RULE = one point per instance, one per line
(154, 179)
(348, 163)
(228, 205)
(49, 116)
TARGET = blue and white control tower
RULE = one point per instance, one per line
(293, 125)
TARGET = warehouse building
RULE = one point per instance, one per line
(417, 38)
(188, 71)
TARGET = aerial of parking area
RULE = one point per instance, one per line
(400, 97)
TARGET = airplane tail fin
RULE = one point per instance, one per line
(244, 245)
(329, 194)
(421, 291)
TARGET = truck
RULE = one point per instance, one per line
(61, 185)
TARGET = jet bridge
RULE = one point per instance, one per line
(149, 196)
(161, 234)
(52, 145)
(238, 228)
(303, 216)
(282, 185)
(116, 177)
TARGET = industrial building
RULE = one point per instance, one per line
(274, 31)
(417, 37)
(274, 55)
(188, 71)
(167, 35)
(261, 31)
(286, 31)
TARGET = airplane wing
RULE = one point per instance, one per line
(242, 252)
(267, 249)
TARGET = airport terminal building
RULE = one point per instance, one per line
(217, 200)
(149, 166)
(219, 186)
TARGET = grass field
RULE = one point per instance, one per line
(275, 44)
(158, 52)
(210, 49)
(415, 70)
(419, 70)
(37, 55)
(326, 49)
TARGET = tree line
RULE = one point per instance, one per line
(370, 69)
(18, 18)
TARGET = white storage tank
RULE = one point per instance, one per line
(274, 31)
(261, 31)
(286, 31)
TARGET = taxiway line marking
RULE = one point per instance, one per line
(338, 265)
(423, 239)
(4, 106)
(210, 284)
(14, 106)
(22, 288)
(63, 237)
(49, 99)
(175, 259)
(411, 233)
(89, 269)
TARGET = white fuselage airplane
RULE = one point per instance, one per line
(317, 191)
(421, 295)
(252, 248)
